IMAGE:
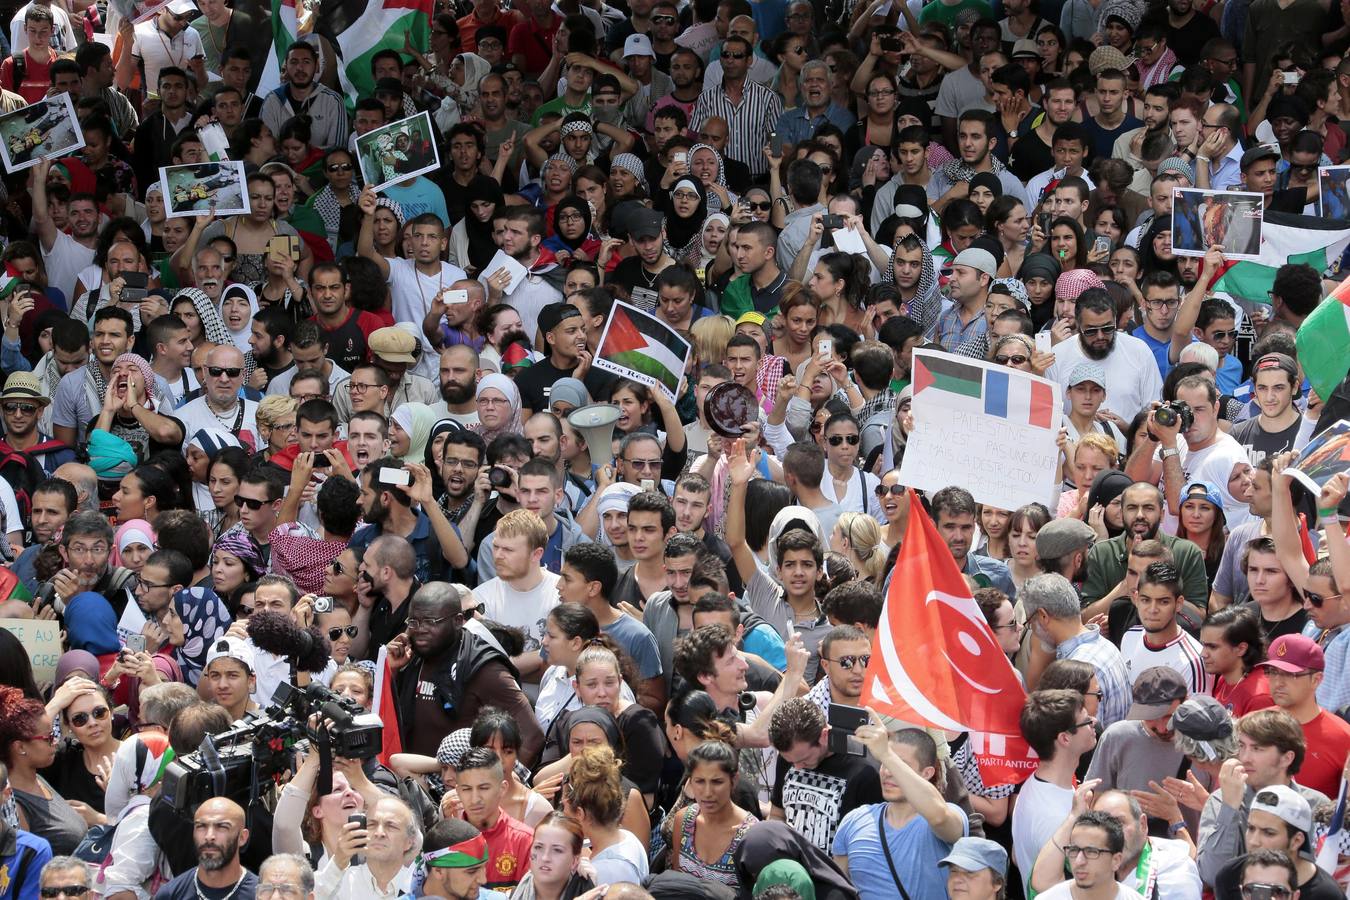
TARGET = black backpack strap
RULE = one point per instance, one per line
(19, 68)
(886, 846)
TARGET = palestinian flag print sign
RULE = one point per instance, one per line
(638, 345)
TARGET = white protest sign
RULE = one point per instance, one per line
(42, 640)
(984, 427)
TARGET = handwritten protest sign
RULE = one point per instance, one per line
(42, 640)
(987, 427)
(638, 345)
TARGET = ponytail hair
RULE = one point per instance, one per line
(864, 536)
(854, 270)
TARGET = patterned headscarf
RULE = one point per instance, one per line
(927, 302)
(714, 202)
(205, 618)
(213, 326)
(1073, 282)
(1015, 289)
(147, 376)
(238, 543)
(632, 165)
(957, 170)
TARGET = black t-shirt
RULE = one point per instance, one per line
(1260, 443)
(534, 383)
(1187, 40)
(1030, 156)
(636, 282)
(816, 800)
(1271, 630)
(186, 887)
(1227, 884)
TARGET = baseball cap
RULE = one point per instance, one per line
(1088, 372)
(1062, 537)
(554, 314)
(978, 259)
(1202, 490)
(638, 45)
(24, 386)
(1202, 718)
(1257, 153)
(389, 86)
(1286, 804)
(607, 82)
(973, 854)
(644, 223)
(1155, 690)
(231, 648)
(490, 31)
(1276, 361)
(392, 344)
(751, 318)
(1025, 49)
(184, 8)
(1295, 654)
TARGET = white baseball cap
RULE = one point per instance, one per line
(231, 648)
(638, 45)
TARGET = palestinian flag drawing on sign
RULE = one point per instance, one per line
(638, 345)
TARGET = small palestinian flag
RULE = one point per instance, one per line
(638, 345)
(9, 280)
(516, 356)
(960, 384)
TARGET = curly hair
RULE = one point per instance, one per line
(595, 786)
(696, 652)
(19, 716)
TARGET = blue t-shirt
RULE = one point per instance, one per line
(31, 853)
(419, 196)
(634, 637)
(1229, 375)
(766, 643)
(915, 849)
(1160, 349)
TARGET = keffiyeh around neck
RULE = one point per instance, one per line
(957, 170)
(213, 327)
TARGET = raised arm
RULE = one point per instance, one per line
(365, 242)
(42, 218)
(1190, 304)
(739, 469)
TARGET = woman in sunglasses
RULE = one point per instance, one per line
(894, 500)
(27, 746)
(337, 625)
(339, 580)
(844, 483)
(82, 766)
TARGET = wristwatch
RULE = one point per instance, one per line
(1012, 135)
(1169, 452)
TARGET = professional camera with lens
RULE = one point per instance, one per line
(236, 763)
(1170, 414)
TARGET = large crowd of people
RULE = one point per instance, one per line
(323, 451)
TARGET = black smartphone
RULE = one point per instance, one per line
(321, 461)
(847, 719)
(134, 285)
(360, 819)
(831, 222)
(892, 44)
(1043, 220)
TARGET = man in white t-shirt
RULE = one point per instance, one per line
(524, 591)
(1095, 849)
(1059, 729)
(1207, 454)
(166, 40)
(1132, 377)
(220, 405)
(64, 255)
(1159, 640)
(63, 35)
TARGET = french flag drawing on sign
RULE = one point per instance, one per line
(1017, 399)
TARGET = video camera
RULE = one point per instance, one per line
(260, 746)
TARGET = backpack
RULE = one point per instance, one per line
(24, 473)
(18, 69)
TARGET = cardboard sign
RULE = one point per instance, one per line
(42, 640)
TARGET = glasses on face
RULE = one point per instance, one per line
(1170, 303)
(1072, 850)
(250, 502)
(646, 465)
(848, 662)
(1146, 49)
(341, 167)
(70, 890)
(285, 890)
(884, 92)
(358, 387)
(1318, 599)
(98, 714)
(1011, 625)
(26, 408)
(739, 54)
(451, 463)
(1260, 891)
(1226, 61)
(227, 371)
(664, 20)
(336, 567)
(1223, 335)
(895, 490)
(760, 205)
(469, 612)
(1016, 359)
(1103, 330)
(836, 440)
(1086, 723)
(48, 738)
(87, 550)
(144, 586)
(350, 631)
(415, 623)
(573, 217)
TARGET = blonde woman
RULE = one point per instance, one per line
(1093, 454)
(858, 537)
(276, 423)
(709, 336)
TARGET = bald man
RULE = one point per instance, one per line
(85, 480)
(217, 832)
(221, 405)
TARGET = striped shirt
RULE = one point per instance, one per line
(748, 122)
(1090, 647)
(1182, 654)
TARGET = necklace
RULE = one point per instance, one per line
(211, 35)
(168, 51)
(201, 895)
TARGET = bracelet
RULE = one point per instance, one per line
(1199, 158)
(1175, 828)
(1324, 513)
(1328, 521)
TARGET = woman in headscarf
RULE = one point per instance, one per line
(567, 395)
(202, 449)
(498, 407)
(133, 542)
(235, 564)
(466, 71)
(209, 326)
(707, 165)
(686, 209)
(196, 618)
(1106, 492)
(91, 625)
(410, 429)
(925, 303)
(579, 730)
(773, 842)
(153, 226)
(387, 227)
(711, 236)
(238, 309)
(109, 456)
(471, 243)
(572, 238)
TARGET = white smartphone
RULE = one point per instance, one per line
(1043, 343)
(453, 297)
(396, 477)
(648, 484)
(825, 346)
(1291, 78)
(681, 157)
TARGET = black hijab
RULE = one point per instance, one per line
(768, 842)
(481, 245)
(581, 206)
(1106, 487)
(680, 231)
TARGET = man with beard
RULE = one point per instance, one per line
(456, 858)
(499, 126)
(564, 331)
(217, 832)
(459, 384)
(448, 669)
(86, 545)
(1141, 507)
(385, 582)
(299, 92)
(954, 515)
(1062, 547)
(461, 461)
(686, 71)
(975, 139)
(1136, 750)
(521, 236)
(270, 339)
(1157, 108)
(79, 396)
(1132, 377)
(64, 255)
(387, 510)
(816, 108)
(973, 271)
(345, 328)
(844, 653)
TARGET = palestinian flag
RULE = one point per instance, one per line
(1323, 339)
(945, 380)
(638, 345)
(284, 32)
(380, 25)
(9, 280)
(1285, 238)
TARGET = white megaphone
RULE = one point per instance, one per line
(596, 423)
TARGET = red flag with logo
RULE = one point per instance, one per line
(935, 661)
(386, 708)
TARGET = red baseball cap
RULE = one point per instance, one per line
(1295, 654)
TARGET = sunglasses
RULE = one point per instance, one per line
(70, 890)
(336, 567)
(664, 20)
(1103, 330)
(837, 439)
(895, 490)
(1017, 359)
(45, 738)
(1224, 335)
(726, 55)
(848, 662)
(26, 408)
(230, 372)
(98, 714)
(335, 633)
(341, 167)
(250, 502)
(1318, 599)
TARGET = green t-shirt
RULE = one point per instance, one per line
(937, 11)
(560, 106)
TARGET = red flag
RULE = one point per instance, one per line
(948, 670)
(386, 708)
